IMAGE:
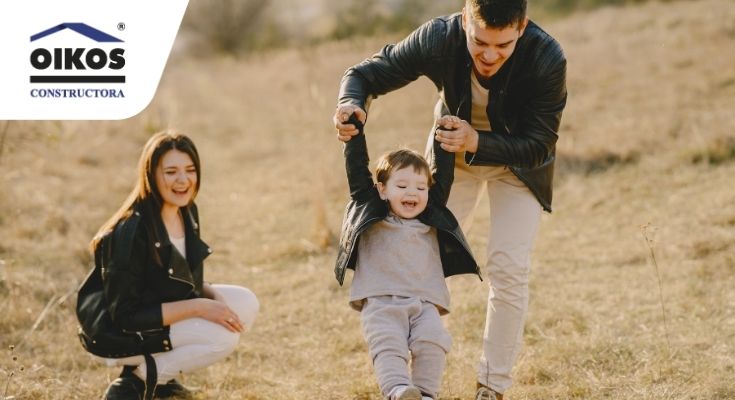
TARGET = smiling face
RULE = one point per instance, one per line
(490, 47)
(407, 191)
(176, 179)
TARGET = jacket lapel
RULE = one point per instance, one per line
(183, 268)
(178, 267)
(196, 249)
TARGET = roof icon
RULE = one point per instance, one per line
(81, 28)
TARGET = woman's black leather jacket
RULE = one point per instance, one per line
(152, 273)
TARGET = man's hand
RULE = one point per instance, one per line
(345, 132)
(456, 135)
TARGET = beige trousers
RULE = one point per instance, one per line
(514, 218)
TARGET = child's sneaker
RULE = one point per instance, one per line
(407, 393)
(485, 393)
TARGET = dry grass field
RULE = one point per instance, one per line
(648, 139)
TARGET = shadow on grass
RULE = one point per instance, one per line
(599, 162)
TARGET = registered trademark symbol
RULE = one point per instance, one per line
(121, 26)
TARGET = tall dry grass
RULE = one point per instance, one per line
(652, 91)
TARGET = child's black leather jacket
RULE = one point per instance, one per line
(366, 207)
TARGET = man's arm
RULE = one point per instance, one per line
(534, 136)
(395, 66)
(538, 123)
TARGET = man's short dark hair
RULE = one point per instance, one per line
(497, 13)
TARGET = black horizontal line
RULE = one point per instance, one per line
(78, 79)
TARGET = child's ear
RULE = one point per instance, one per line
(381, 190)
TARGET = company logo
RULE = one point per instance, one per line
(83, 59)
(74, 64)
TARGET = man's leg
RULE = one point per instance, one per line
(514, 218)
(465, 195)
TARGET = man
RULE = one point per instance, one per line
(501, 81)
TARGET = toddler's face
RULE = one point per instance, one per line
(407, 192)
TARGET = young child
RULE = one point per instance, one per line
(402, 242)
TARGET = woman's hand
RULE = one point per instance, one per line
(218, 312)
(456, 135)
(213, 310)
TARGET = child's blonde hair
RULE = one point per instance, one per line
(399, 159)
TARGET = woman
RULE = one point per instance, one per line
(153, 284)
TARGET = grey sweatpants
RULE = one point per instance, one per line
(393, 326)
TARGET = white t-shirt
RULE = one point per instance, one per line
(179, 244)
(480, 97)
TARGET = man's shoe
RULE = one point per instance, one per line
(173, 388)
(126, 387)
(485, 393)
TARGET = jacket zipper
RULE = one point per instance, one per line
(181, 280)
(140, 333)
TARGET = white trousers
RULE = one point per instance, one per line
(196, 342)
(514, 218)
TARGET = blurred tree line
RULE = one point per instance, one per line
(239, 27)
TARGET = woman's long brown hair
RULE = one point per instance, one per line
(146, 190)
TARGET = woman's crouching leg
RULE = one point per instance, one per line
(196, 343)
(242, 301)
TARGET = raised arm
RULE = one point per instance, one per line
(395, 66)
(359, 177)
(442, 172)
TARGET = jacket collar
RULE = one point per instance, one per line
(180, 267)
(194, 245)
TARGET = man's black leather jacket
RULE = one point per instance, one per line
(527, 94)
(366, 208)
